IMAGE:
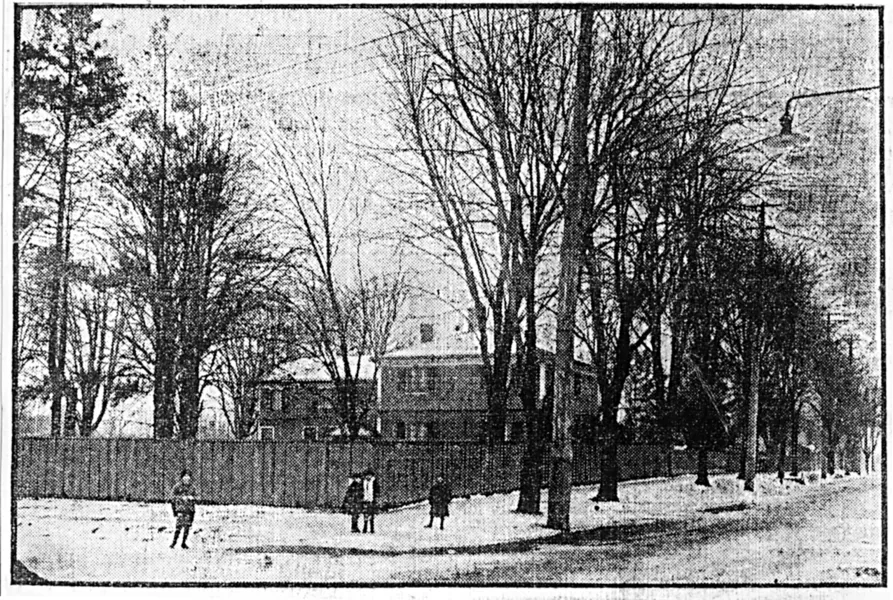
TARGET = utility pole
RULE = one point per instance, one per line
(568, 284)
(756, 326)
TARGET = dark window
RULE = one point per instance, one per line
(578, 384)
(482, 432)
(517, 434)
(287, 403)
(430, 379)
(400, 430)
(404, 378)
(266, 399)
(583, 427)
(267, 434)
(426, 332)
(310, 434)
(314, 407)
(431, 431)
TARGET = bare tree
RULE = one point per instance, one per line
(259, 342)
(660, 114)
(483, 101)
(197, 270)
(100, 377)
(344, 316)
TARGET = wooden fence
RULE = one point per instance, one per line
(300, 474)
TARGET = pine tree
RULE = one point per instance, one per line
(69, 84)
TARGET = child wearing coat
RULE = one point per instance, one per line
(439, 498)
(353, 500)
(183, 504)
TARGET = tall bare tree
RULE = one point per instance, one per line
(100, 377)
(483, 102)
(194, 273)
(344, 315)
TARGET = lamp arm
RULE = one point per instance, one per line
(787, 106)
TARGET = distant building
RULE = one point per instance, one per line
(436, 391)
(298, 400)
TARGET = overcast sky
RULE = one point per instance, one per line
(262, 63)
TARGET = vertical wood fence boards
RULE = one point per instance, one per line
(310, 474)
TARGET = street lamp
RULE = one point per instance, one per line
(787, 138)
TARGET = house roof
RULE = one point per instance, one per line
(313, 369)
(462, 345)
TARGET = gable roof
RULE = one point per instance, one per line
(312, 369)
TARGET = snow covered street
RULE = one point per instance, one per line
(128, 542)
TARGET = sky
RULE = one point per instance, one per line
(255, 65)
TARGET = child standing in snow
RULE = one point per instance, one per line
(353, 500)
(439, 498)
(183, 503)
(371, 492)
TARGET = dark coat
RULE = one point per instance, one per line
(439, 498)
(353, 499)
(183, 501)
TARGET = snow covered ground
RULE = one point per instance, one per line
(120, 541)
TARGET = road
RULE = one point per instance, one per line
(832, 534)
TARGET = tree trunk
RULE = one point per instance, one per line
(782, 448)
(58, 293)
(496, 415)
(703, 473)
(190, 394)
(532, 460)
(163, 391)
(531, 469)
(610, 472)
(746, 400)
(568, 283)
(71, 413)
(88, 402)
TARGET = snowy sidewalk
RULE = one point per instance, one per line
(480, 521)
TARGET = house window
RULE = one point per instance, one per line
(400, 430)
(517, 432)
(266, 399)
(431, 432)
(578, 384)
(417, 432)
(287, 404)
(430, 383)
(309, 434)
(426, 332)
(483, 431)
(267, 434)
(583, 427)
(314, 408)
(404, 379)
